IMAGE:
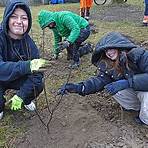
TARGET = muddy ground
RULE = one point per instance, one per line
(94, 121)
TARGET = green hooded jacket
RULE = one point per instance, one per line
(68, 25)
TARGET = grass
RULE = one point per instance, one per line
(9, 129)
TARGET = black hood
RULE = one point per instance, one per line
(113, 40)
(10, 7)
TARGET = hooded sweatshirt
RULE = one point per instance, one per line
(15, 54)
(68, 24)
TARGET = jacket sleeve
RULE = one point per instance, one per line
(139, 81)
(95, 84)
(10, 71)
(74, 28)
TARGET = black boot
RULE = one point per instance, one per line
(86, 48)
(82, 13)
(69, 55)
(87, 14)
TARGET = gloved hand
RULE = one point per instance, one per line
(70, 87)
(16, 103)
(114, 87)
(39, 65)
(63, 45)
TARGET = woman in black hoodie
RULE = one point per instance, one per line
(122, 72)
(19, 58)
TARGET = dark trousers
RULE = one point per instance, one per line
(73, 49)
(146, 10)
(16, 85)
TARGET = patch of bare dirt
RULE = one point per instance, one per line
(118, 12)
(94, 121)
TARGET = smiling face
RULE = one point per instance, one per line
(112, 54)
(18, 23)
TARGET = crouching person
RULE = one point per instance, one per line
(20, 64)
(70, 31)
(123, 73)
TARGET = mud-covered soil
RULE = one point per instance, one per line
(94, 121)
(118, 12)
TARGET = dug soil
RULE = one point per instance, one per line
(94, 121)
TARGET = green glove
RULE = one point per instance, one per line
(16, 103)
(38, 65)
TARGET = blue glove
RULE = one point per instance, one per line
(70, 87)
(114, 87)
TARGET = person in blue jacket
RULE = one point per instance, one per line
(122, 72)
(20, 64)
(145, 17)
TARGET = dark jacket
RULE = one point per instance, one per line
(146, 1)
(136, 74)
(15, 55)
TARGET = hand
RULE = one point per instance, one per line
(63, 45)
(70, 87)
(16, 103)
(114, 87)
(39, 65)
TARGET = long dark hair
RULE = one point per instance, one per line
(119, 64)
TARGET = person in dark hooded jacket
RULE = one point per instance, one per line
(122, 72)
(70, 31)
(20, 64)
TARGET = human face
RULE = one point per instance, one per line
(18, 23)
(112, 54)
(52, 25)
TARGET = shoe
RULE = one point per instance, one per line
(1, 114)
(30, 107)
(85, 49)
(74, 65)
(87, 18)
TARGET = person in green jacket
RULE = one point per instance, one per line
(70, 31)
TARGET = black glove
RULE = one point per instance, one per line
(63, 45)
(70, 87)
